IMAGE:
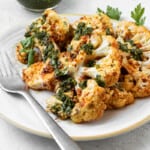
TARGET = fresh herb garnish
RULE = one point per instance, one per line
(51, 53)
(88, 48)
(24, 51)
(81, 30)
(31, 57)
(135, 52)
(108, 32)
(61, 73)
(113, 13)
(27, 42)
(99, 11)
(68, 84)
(67, 104)
(64, 107)
(83, 84)
(40, 35)
(99, 81)
(90, 63)
(137, 15)
(123, 47)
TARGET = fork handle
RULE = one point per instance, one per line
(61, 138)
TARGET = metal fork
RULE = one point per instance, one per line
(10, 81)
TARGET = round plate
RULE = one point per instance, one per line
(18, 112)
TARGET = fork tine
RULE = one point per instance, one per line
(2, 66)
(7, 67)
(12, 70)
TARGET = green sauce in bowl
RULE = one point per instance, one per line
(38, 5)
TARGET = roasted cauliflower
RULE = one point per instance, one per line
(92, 65)
(90, 105)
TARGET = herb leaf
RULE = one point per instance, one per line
(88, 48)
(27, 42)
(31, 57)
(113, 13)
(99, 11)
(99, 81)
(68, 84)
(83, 84)
(137, 14)
(90, 63)
(68, 103)
(81, 30)
(136, 53)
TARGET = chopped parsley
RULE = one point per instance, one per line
(123, 47)
(99, 11)
(81, 30)
(88, 48)
(51, 53)
(68, 84)
(83, 84)
(99, 81)
(136, 53)
(108, 32)
(90, 63)
(40, 35)
(61, 73)
(67, 104)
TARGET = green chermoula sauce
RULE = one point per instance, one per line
(38, 4)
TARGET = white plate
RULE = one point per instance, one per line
(18, 112)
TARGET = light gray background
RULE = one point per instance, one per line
(11, 138)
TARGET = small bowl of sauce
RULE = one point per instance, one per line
(38, 5)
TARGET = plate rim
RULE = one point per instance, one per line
(77, 138)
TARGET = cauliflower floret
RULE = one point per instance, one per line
(40, 76)
(118, 98)
(134, 42)
(58, 107)
(130, 31)
(99, 23)
(57, 27)
(72, 61)
(107, 64)
(88, 29)
(91, 104)
(141, 82)
(49, 28)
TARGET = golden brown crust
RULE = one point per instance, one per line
(118, 98)
(123, 76)
(40, 76)
(91, 104)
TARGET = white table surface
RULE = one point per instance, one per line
(11, 138)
